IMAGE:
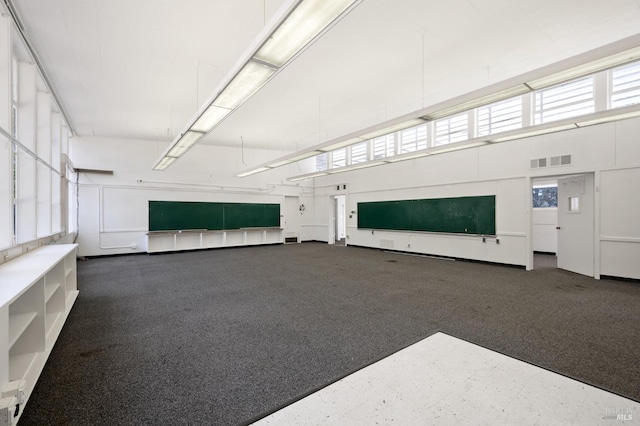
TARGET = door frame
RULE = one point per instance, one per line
(596, 215)
(333, 217)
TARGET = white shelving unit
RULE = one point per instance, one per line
(37, 291)
(161, 241)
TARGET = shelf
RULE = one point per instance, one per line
(18, 323)
(50, 290)
(20, 364)
(51, 319)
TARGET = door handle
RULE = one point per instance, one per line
(557, 227)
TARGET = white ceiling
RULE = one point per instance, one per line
(139, 69)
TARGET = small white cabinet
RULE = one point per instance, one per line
(37, 291)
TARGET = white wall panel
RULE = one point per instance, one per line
(628, 143)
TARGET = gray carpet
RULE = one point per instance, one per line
(225, 336)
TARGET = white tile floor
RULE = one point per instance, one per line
(443, 380)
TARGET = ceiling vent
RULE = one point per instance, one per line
(560, 160)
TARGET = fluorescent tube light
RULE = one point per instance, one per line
(210, 118)
(308, 20)
(356, 166)
(184, 143)
(483, 100)
(307, 176)
(608, 119)
(585, 69)
(250, 78)
(441, 150)
(304, 155)
(254, 171)
(537, 132)
(164, 163)
(394, 128)
(408, 156)
(279, 163)
(341, 144)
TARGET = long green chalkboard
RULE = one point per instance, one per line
(459, 215)
(185, 215)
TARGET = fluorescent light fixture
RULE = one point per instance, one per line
(408, 156)
(534, 132)
(250, 78)
(308, 20)
(304, 155)
(341, 144)
(279, 163)
(608, 119)
(356, 166)
(210, 118)
(585, 69)
(483, 100)
(394, 128)
(305, 21)
(184, 143)
(457, 147)
(164, 163)
(254, 171)
(307, 176)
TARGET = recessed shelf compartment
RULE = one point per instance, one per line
(18, 323)
(50, 290)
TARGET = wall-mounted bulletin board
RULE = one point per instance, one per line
(458, 215)
(185, 215)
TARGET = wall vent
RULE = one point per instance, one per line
(560, 160)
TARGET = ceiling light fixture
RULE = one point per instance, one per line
(592, 67)
(520, 89)
(535, 132)
(307, 176)
(299, 23)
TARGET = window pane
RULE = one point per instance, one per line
(383, 146)
(339, 158)
(545, 197)
(359, 152)
(452, 129)
(321, 162)
(500, 116)
(413, 139)
(625, 85)
(567, 100)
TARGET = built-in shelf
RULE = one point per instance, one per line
(18, 323)
(37, 291)
(163, 241)
(50, 290)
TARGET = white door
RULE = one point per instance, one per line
(576, 224)
(291, 219)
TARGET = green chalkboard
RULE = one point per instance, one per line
(185, 215)
(241, 215)
(178, 215)
(385, 215)
(459, 215)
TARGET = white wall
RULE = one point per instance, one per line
(113, 209)
(611, 150)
